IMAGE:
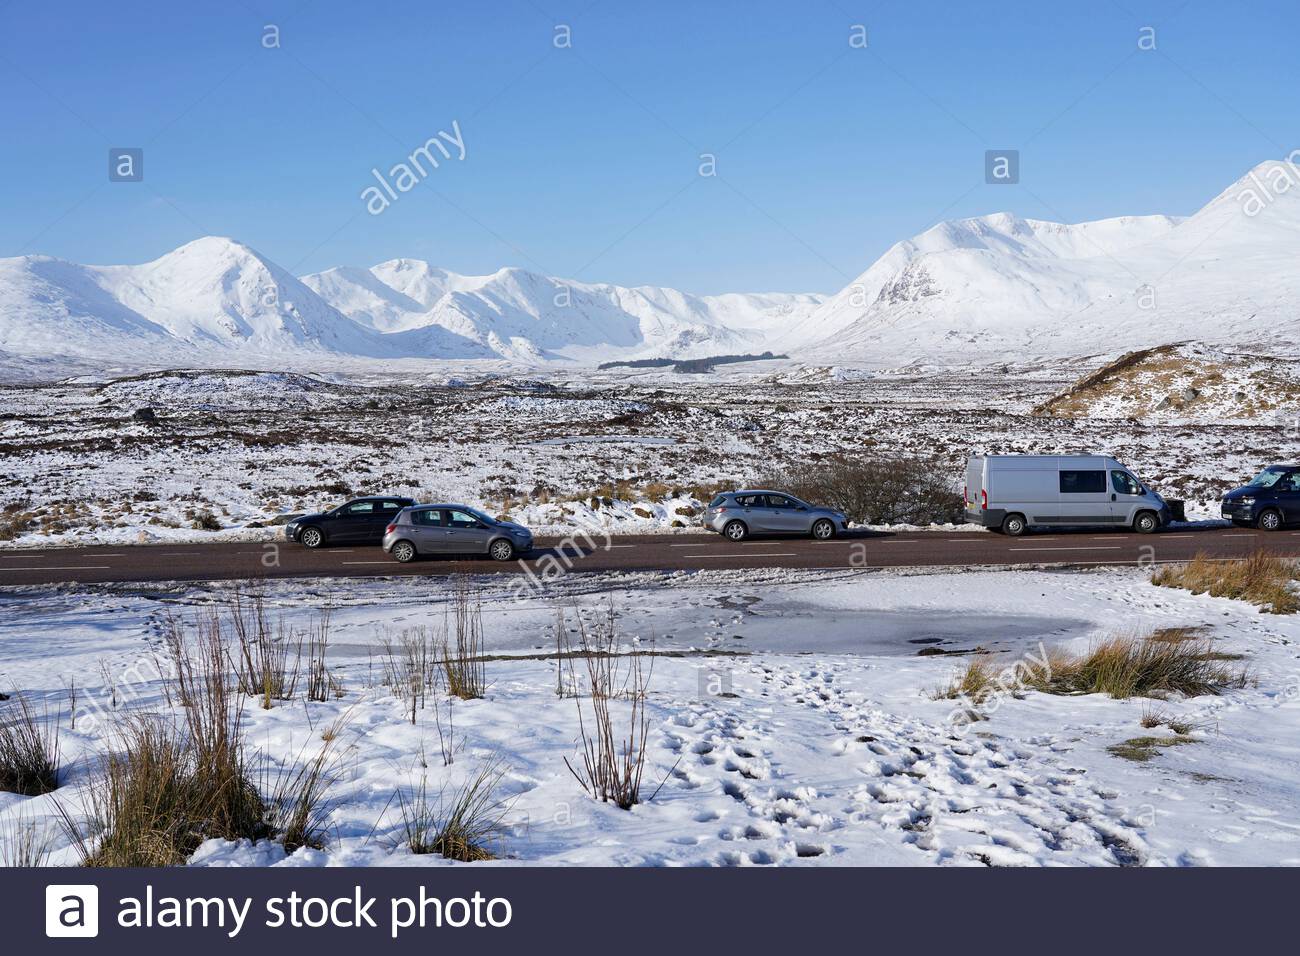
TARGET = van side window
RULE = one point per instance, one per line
(1083, 482)
(1124, 483)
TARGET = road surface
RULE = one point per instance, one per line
(660, 552)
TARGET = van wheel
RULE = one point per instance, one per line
(1014, 525)
(1270, 519)
(403, 551)
(501, 550)
(1146, 522)
(736, 531)
(311, 538)
(823, 529)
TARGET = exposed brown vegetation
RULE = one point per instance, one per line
(613, 761)
(462, 826)
(875, 490)
(29, 749)
(1262, 579)
(1123, 666)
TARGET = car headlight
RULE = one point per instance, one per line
(1250, 500)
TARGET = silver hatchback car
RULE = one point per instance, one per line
(453, 529)
(738, 514)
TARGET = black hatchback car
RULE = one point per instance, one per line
(361, 521)
(1270, 501)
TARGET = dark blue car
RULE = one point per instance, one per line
(1270, 501)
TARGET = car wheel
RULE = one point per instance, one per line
(403, 551)
(1014, 525)
(736, 531)
(311, 537)
(1146, 522)
(1270, 519)
(501, 550)
(823, 529)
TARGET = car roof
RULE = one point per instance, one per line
(425, 504)
(382, 498)
(759, 491)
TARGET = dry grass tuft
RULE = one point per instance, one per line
(25, 842)
(613, 761)
(1123, 666)
(29, 749)
(1261, 579)
(461, 826)
(462, 644)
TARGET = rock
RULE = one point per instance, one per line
(145, 415)
(1189, 394)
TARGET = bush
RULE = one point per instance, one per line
(29, 752)
(874, 490)
(1261, 579)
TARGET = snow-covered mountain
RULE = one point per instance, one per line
(994, 288)
(217, 300)
(523, 315)
(1002, 286)
(210, 297)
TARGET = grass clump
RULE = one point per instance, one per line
(1123, 666)
(29, 750)
(1262, 579)
(462, 825)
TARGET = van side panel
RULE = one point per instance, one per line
(1027, 486)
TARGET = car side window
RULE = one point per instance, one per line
(1290, 483)
(429, 518)
(779, 501)
(459, 519)
(1082, 482)
(390, 507)
(750, 501)
(361, 508)
(1124, 483)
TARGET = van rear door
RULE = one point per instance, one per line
(974, 482)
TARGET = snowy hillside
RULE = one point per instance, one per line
(1001, 287)
(997, 288)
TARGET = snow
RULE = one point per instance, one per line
(828, 748)
(996, 287)
(1004, 287)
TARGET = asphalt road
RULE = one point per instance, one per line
(666, 552)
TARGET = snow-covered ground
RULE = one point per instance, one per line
(824, 746)
(231, 454)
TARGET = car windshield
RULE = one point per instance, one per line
(1267, 478)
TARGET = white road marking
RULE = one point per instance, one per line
(63, 567)
(751, 554)
(1112, 548)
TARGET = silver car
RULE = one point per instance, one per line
(453, 529)
(738, 514)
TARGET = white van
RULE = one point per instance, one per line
(1011, 493)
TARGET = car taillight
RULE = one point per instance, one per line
(722, 509)
(984, 501)
(390, 529)
(965, 494)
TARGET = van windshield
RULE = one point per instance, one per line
(1267, 478)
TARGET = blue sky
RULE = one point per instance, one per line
(582, 162)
